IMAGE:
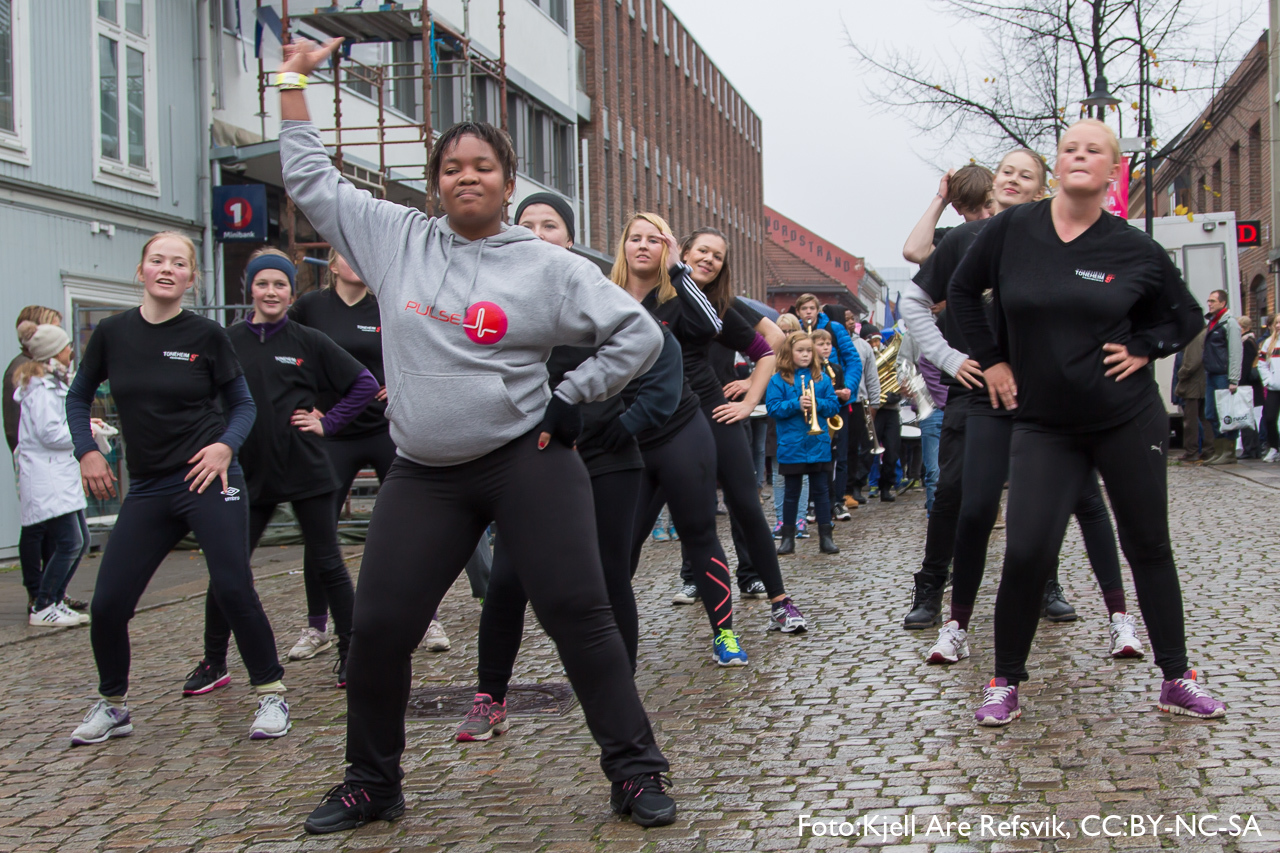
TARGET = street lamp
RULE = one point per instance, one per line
(1100, 98)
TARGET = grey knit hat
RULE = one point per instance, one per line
(45, 342)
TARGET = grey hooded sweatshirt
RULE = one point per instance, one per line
(467, 326)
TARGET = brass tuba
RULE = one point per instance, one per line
(887, 368)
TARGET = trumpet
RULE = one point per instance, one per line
(835, 423)
(815, 425)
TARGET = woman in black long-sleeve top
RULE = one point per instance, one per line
(1083, 303)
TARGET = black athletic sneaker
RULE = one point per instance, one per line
(644, 797)
(755, 589)
(205, 678)
(348, 806)
(340, 669)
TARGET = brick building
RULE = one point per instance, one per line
(667, 133)
(1222, 162)
(799, 261)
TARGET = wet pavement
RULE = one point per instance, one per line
(844, 726)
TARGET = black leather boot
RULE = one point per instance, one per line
(1056, 608)
(787, 539)
(826, 544)
(926, 606)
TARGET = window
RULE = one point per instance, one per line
(666, 40)
(555, 10)
(653, 16)
(543, 143)
(1256, 153)
(1233, 180)
(1216, 187)
(15, 83)
(126, 153)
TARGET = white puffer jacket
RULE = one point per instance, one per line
(1269, 364)
(48, 474)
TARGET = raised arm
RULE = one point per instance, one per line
(919, 243)
(362, 229)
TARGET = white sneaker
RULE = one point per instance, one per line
(310, 644)
(103, 721)
(436, 639)
(1272, 455)
(952, 645)
(81, 618)
(1124, 636)
(272, 718)
(52, 616)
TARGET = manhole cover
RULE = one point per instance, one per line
(429, 703)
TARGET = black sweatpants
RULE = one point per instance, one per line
(986, 467)
(889, 431)
(940, 536)
(321, 559)
(146, 530)
(502, 618)
(743, 571)
(681, 474)
(736, 473)
(349, 456)
(1047, 471)
(860, 444)
(840, 453)
(426, 522)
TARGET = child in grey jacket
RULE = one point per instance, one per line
(471, 308)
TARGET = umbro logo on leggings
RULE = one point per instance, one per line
(231, 494)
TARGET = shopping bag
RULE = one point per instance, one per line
(1235, 411)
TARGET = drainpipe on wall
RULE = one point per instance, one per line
(1273, 112)
(211, 287)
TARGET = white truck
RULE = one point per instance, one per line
(1205, 251)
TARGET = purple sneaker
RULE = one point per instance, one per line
(784, 616)
(999, 704)
(1184, 696)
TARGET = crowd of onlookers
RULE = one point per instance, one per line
(1228, 387)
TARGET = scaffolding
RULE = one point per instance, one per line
(384, 23)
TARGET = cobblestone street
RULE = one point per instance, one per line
(839, 723)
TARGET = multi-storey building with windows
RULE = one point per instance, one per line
(665, 132)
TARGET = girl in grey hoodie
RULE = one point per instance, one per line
(471, 308)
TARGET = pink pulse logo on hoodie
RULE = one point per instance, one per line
(485, 323)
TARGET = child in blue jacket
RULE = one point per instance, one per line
(800, 453)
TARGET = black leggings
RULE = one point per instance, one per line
(349, 456)
(986, 467)
(502, 619)
(321, 558)
(940, 535)
(1270, 413)
(1047, 472)
(736, 473)
(425, 524)
(146, 530)
(681, 474)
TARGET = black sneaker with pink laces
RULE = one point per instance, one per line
(348, 806)
(644, 797)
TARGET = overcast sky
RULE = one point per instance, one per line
(832, 162)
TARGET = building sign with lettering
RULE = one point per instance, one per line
(821, 254)
(1248, 233)
(240, 213)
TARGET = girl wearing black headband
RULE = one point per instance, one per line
(167, 368)
(289, 367)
